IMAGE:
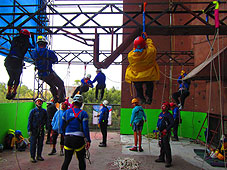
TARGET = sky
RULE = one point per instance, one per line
(74, 72)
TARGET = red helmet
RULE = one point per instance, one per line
(25, 32)
(139, 44)
(172, 104)
(166, 104)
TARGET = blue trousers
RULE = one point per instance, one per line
(36, 141)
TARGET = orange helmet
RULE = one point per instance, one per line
(139, 44)
(135, 100)
(25, 32)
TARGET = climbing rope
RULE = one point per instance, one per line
(126, 163)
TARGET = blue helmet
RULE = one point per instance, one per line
(18, 132)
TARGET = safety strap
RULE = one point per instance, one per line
(76, 114)
(75, 150)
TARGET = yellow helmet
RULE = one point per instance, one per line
(41, 39)
(135, 100)
(182, 72)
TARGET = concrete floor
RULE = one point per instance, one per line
(184, 157)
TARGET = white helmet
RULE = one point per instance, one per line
(105, 102)
(41, 39)
(99, 70)
(88, 76)
(38, 99)
(78, 98)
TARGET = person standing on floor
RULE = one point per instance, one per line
(164, 125)
(14, 61)
(183, 90)
(51, 110)
(77, 135)
(137, 123)
(176, 118)
(56, 124)
(44, 59)
(103, 122)
(101, 83)
(38, 118)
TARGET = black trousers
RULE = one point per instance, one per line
(175, 128)
(165, 151)
(80, 89)
(74, 142)
(148, 91)
(56, 84)
(55, 137)
(182, 94)
(99, 87)
(103, 127)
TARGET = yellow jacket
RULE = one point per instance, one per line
(142, 65)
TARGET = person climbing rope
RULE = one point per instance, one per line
(142, 68)
(183, 90)
(14, 61)
(44, 59)
(101, 83)
(137, 123)
(84, 87)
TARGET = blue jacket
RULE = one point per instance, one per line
(104, 115)
(89, 82)
(57, 121)
(183, 84)
(74, 126)
(165, 121)
(36, 121)
(176, 112)
(44, 61)
(100, 78)
(137, 115)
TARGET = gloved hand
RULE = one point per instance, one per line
(30, 133)
(99, 125)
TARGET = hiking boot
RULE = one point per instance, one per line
(53, 152)
(61, 153)
(33, 160)
(140, 149)
(13, 95)
(133, 149)
(168, 165)
(102, 145)
(40, 158)
(9, 96)
(159, 160)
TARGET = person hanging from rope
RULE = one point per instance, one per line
(84, 87)
(44, 59)
(164, 125)
(14, 61)
(143, 68)
(176, 118)
(103, 122)
(183, 90)
(137, 123)
(101, 83)
(77, 135)
(38, 118)
(56, 124)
